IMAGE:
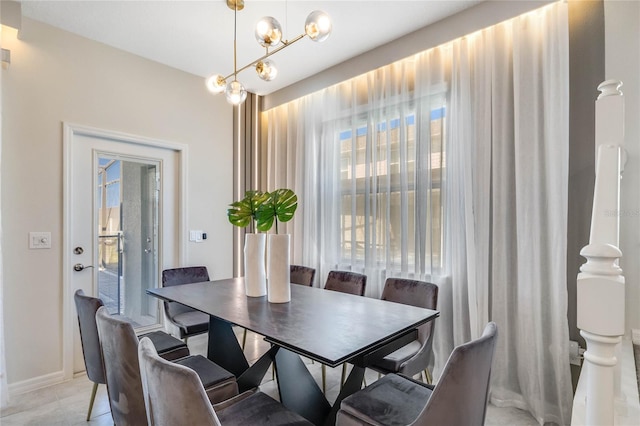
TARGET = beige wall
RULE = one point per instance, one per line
(58, 77)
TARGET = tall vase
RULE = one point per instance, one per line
(278, 269)
(255, 282)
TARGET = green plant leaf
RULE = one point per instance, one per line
(280, 206)
(242, 213)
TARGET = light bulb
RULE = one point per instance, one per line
(266, 70)
(235, 93)
(318, 25)
(215, 83)
(268, 31)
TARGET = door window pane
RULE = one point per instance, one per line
(128, 199)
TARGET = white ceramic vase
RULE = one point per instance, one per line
(255, 281)
(278, 269)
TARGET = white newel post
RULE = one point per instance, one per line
(600, 283)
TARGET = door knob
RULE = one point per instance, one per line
(80, 267)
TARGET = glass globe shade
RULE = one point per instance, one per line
(318, 25)
(235, 93)
(266, 70)
(215, 83)
(268, 31)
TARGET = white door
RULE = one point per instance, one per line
(123, 227)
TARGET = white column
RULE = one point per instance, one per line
(600, 284)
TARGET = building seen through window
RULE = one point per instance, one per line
(391, 206)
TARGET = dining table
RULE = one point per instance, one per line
(326, 326)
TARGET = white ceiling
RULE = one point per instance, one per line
(197, 36)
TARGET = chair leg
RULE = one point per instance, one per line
(244, 338)
(427, 376)
(93, 398)
(324, 379)
(344, 374)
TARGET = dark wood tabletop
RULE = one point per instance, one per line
(324, 325)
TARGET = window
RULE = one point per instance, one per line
(391, 202)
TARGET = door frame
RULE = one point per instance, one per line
(70, 131)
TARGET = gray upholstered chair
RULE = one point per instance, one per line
(459, 397)
(120, 353)
(302, 275)
(188, 321)
(86, 307)
(344, 282)
(173, 395)
(413, 358)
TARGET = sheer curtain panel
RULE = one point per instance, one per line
(4, 391)
(449, 166)
(508, 172)
(366, 159)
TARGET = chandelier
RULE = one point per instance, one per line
(269, 34)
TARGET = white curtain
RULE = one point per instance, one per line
(501, 184)
(365, 158)
(298, 158)
(507, 200)
(508, 177)
(4, 391)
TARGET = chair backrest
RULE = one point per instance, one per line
(120, 353)
(179, 276)
(346, 282)
(415, 293)
(302, 275)
(173, 393)
(86, 307)
(460, 397)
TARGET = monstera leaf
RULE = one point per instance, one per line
(280, 206)
(243, 212)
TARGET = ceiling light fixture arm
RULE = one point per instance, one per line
(273, 52)
(235, 41)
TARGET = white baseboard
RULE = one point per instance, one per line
(635, 336)
(36, 383)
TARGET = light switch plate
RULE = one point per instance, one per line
(39, 240)
(196, 236)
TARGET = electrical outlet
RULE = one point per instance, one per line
(575, 353)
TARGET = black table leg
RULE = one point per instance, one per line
(351, 385)
(252, 377)
(298, 390)
(224, 349)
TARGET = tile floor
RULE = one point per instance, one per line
(66, 404)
